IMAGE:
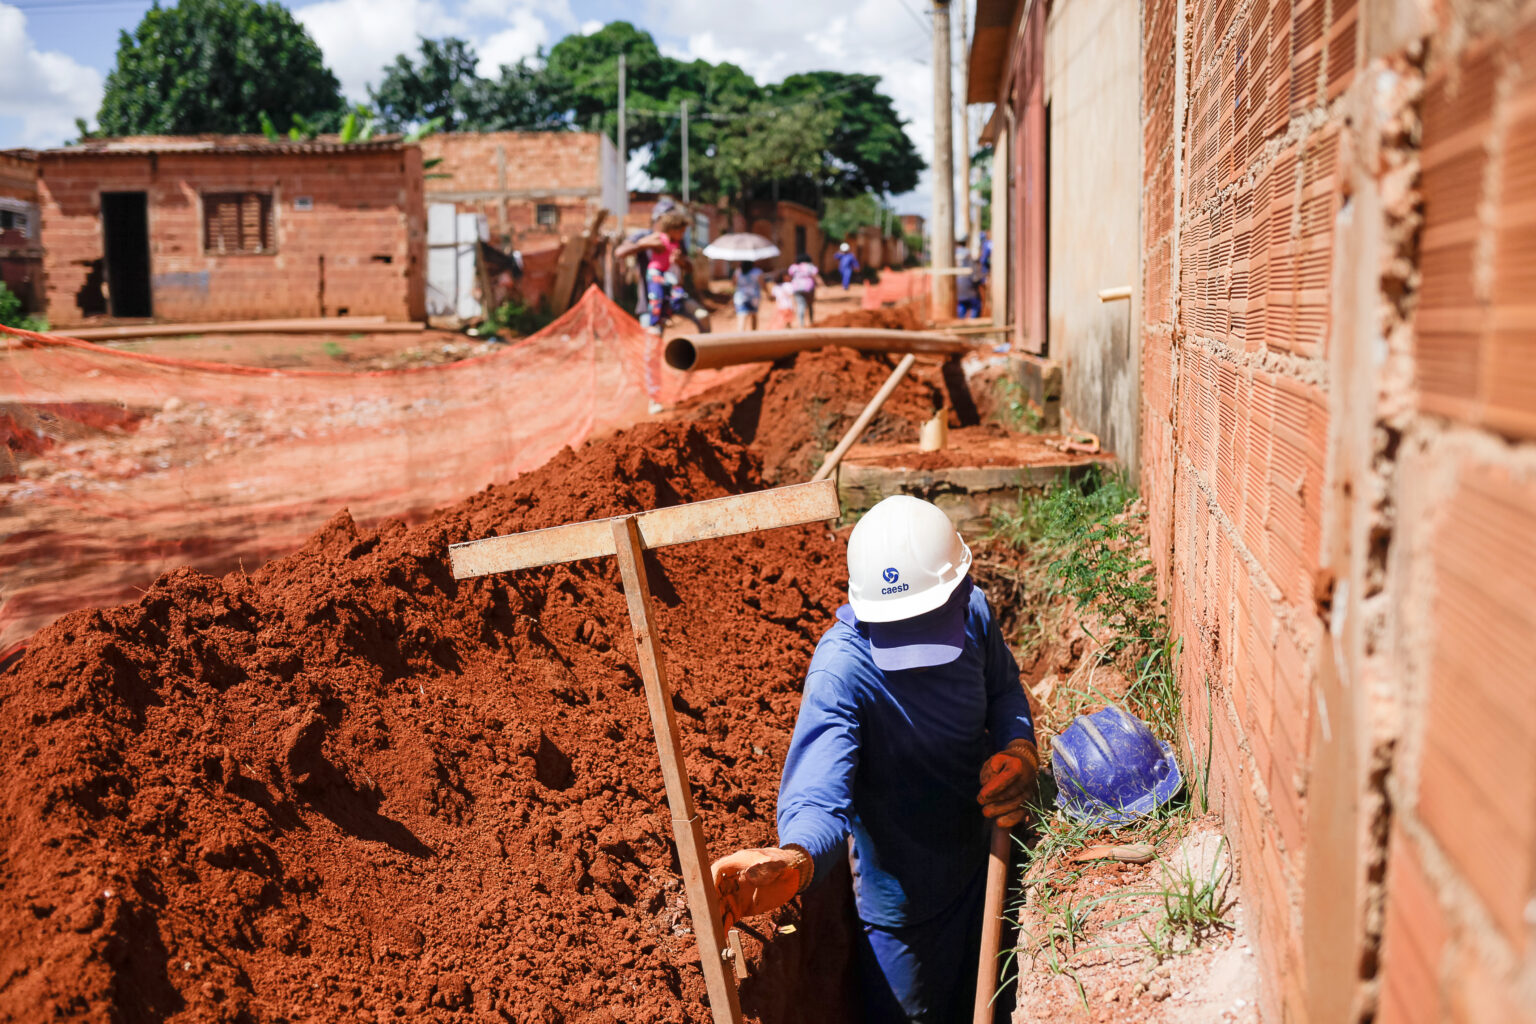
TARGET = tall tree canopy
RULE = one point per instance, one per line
(443, 83)
(214, 66)
(588, 66)
(812, 137)
(869, 149)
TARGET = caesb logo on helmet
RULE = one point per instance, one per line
(904, 559)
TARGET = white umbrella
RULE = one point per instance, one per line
(743, 246)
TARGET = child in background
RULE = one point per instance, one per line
(784, 302)
(802, 279)
(663, 293)
(749, 294)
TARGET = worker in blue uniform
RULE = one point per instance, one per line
(913, 736)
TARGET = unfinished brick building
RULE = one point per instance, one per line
(20, 252)
(232, 227)
(1335, 395)
(531, 187)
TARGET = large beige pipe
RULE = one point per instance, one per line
(710, 351)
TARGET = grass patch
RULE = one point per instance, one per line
(1082, 549)
(517, 318)
(11, 314)
(334, 350)
(1017, 411)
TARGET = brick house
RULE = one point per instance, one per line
(20, 251)
(232, 227)
(531, 187)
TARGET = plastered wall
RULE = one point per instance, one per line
(1092, 82)
(1338, 416)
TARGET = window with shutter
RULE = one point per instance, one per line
(238, 222)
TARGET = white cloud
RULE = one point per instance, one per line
(588, 27)
(359, 37)
(521, 39)
(45, 90)
(771, 41)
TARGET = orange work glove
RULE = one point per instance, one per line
(755, 881)
(1007, 778)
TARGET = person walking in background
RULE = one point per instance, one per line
(847, 264)
(662, 251)
(968, 284)
(638, 245)
(802, 280)
(749, 295)
(784, 302)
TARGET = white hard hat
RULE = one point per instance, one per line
(843, 247)
(904, 559)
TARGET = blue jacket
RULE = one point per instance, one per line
(893, 758)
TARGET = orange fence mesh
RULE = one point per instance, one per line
(118, 466)
(895, 287)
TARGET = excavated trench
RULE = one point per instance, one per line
(348, 787)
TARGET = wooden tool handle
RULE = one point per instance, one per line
(992, 924)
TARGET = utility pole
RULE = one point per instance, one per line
(942, 259)
(685, 153)
(963, 184)
(623, 155)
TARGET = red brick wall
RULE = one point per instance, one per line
(18, 177)
(360, 249)
(1338, 402)
(554, 168)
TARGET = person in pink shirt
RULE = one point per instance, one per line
(802, 282)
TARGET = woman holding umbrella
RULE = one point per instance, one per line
(746, 249)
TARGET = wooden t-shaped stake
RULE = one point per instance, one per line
(627, 537)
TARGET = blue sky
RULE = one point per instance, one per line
(54, 54)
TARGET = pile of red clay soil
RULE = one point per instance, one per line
(348, 787)
(892, 318)
(795, 411)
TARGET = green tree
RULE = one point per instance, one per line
(780, 146)
(443, 83)
(845, 215)
(869, 150)
(724, 101)
(588, 65)
(527, 95)
(213, 66)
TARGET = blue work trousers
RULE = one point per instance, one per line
(926, 973)
(969, 309)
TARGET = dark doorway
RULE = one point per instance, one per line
(125, 226)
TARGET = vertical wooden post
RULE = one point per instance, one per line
(992, 924)
(687, 830)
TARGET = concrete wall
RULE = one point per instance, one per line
(1092, 89)
(360, 248)
(1338, 379)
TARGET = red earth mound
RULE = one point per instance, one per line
(795, 411)
(348, 787)
(894, 318)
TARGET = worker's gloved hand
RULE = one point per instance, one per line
(755, 881)
(1007, 779)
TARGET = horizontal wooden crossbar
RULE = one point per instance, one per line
(700, 520)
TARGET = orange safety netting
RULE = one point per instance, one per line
(895, 287)
(118, 466)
